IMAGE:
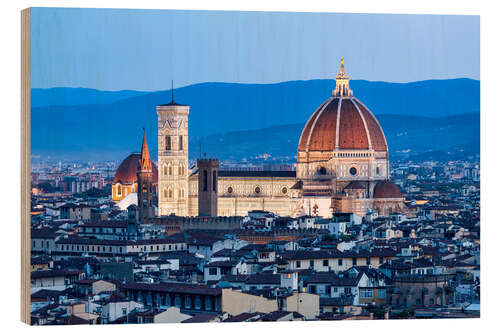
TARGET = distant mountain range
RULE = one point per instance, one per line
(407, 136)
(245, 120)
(78, 96)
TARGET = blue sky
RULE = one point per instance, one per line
(113, 49)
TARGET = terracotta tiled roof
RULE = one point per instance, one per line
(386, 189)
(183, 288)
(127, 171)
(356, 125)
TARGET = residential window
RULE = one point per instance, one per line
(311, 263)
(368, 260)
(297, 264)
(366, 293)
(335, 289)
(381, 260)
(381, 293)
(354, 261)
(208, 304)
(197, 302)
(177, 301)
(325, 262)
(212, 271)
(340, 262)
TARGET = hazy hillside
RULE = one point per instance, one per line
(406, 136)
(108, 124)
(78, 96)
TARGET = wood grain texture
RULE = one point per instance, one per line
(25, 164)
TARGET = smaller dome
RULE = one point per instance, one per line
(127, 171)
(386, 189)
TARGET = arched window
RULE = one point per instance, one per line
(181, 170)
(165, 194)
(322, 171)
(170, 194)
(165, 170)
(170, 170)
(181, 146)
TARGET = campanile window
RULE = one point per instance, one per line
(168, 142)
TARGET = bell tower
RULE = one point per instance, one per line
(145, 189)
(172, 158)
(208, 176)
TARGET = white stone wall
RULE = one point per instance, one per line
(173, 163)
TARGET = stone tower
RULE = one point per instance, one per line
(208, 174)
(172, 158)
(145, 190)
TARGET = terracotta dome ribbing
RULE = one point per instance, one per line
(127, 171)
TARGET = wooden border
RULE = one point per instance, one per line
(25, 163)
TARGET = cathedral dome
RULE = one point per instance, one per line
(386, 189)
(127, 171)
(342, 122)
